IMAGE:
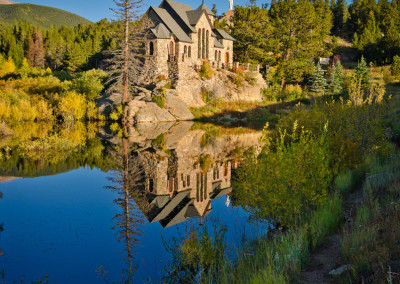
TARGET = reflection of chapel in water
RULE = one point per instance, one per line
(174, 172)
(176, 193)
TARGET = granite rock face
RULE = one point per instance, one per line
(177, 107)
(151, 112)
(220, 85)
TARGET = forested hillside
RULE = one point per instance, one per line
(37, 15)
(69, 49)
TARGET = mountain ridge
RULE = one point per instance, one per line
(43, 16)
(7, 2)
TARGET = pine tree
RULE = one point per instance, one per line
(336, 79)
(127, 63)
(319, 83)
(35, 53)
(362, 73)
(340, 15)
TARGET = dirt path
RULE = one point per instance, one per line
(328, 256)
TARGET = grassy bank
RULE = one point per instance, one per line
(370, 243)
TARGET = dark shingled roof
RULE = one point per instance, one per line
(181, 10)
(194, 16)
(218, 44)
(161, 31)
(205, 8)
(224, 34)
(171, 24)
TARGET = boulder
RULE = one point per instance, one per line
(153, 113)
(177, 107)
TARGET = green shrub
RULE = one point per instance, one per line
(287, 179)
(159, 100)
(205, 94)
(90, 83)
(395, 68)
(205, 162)
(159, 141)
(206, 70)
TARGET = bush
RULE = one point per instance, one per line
(72, 106)
(205, 94)
(205, 70)
(387, 75)
(159, 100)
(159, 141)
(90, 83)
(272, 93)
(395, 68)
(287, 179)
(293, 92)
(6, 66)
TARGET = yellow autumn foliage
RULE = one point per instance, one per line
(72, 106)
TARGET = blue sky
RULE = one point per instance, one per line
(95, 10)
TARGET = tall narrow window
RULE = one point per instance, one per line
(199, 42)
(151, 48)
(190, 51)
(203, 44)
(184, 53)
(207, 45)
(219, 56)
(216, 55)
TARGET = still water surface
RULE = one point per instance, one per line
(81, 219)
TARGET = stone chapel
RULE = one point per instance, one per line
(186, 37)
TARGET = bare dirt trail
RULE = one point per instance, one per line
(328, 256)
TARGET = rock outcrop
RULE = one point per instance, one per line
(177, 107)
(142, 109)
(220, 85)
(189, 92)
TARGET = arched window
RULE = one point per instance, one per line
(216, 55)
(199, 42)
(227, 58)
(207, 45)
(203, 44)
(219, 56)
(151, 48)
(190, 51)
(171, 50)
(185, 50)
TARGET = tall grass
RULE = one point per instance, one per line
(281, 259)
(370, 243)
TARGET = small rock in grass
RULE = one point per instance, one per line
(340, 270)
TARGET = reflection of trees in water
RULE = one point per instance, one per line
(126, 183)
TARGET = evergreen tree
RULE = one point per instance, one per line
(336, 79)
(299, 30)
(370, 34)
(319, 83)
(340, 16)
(35, 53)
(253, 33)
(362, 73)
(126, 65)
(395, 68)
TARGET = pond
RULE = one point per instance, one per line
(80, 204)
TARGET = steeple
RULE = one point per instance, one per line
(230, 4)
